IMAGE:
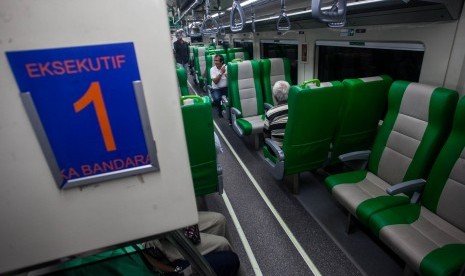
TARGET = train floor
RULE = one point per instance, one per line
(275, 232)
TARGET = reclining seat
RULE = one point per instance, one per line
(199, 57)
(234, 53)
(365, 101)
(414, 129)
(312, 120)
(182, 80)
(246, 98)
(192, 62)
(273, 70)
(198, 127)
(430, 237)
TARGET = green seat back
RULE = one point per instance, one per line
(182, 80)
(123, 261)
(312, 120)
(198, 127)
(445, 192)
(199, 63)
(273, 70)
(234, 53)
(415, 127)
(436, 247)
(209, 64)
(244, 87)
(215, 52)
(365, 100)
(191, 53)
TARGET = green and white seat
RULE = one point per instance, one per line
(246, 98)
(240, 53)
(199, 63)
(273, 70)
(198, 127)
(414, 129)
(182, 80)
(430, 236)
(312, 120)
(365, 101)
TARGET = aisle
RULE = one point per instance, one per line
(287, 235)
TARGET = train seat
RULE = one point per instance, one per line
(430, 236)
(246, 98)
(234, 53)
(365, 101)
(412, 133)
(199, 63)
(191, 53)
(182, 80)
(312, 120)
(273, 70)
(198, 127)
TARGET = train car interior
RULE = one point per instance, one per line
(363, 173)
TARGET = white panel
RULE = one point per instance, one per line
(41, 223)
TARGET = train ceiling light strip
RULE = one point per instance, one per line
(413, 46)
(325, 8)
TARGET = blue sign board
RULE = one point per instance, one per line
(85, 100)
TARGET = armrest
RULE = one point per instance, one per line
(235, 111)
(278, 152)
(356, 155)
(415, 185)
(267, 106)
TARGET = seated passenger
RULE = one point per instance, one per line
(212, 242)
(219, 76)
(276, 117)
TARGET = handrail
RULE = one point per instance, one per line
(195, 25)
(208, 18)
(221, 29)
(314, 81)
(210, 31)
(253, 18)
(236, 7)
(283, 16)
(196, 2)
(334, 15)
(339, 24)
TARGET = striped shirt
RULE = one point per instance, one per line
(275, 123)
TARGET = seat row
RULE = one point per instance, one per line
(326, 120)
(423, 221)
(249, 92)
(203, 60)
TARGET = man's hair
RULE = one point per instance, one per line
(220, 57)
(179, 33)
(280, 91)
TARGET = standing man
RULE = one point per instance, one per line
(219, 77)
(181, 50)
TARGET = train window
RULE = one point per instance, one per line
(247, 45)
(281, 48)
(338, 60)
